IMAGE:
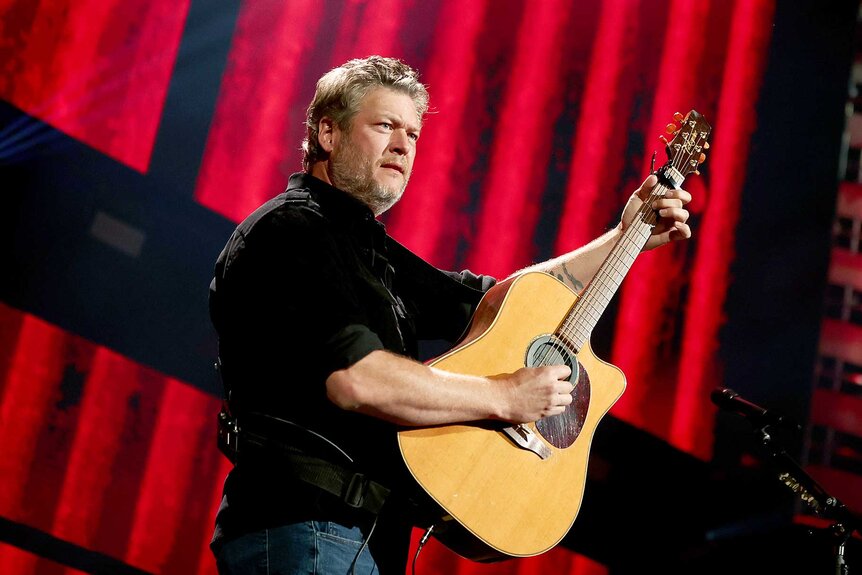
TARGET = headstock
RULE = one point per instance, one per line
(686, 150)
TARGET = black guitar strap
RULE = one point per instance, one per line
(257, 437)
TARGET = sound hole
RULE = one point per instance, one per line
(562, 430)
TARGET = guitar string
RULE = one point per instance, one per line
(646, 215)
(578, 325)
(590, 292)
(649, 218)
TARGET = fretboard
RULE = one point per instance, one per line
(585, 313)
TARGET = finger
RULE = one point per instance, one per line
(650, 181)
(676, 214)
(561, 372)
(681, 231)
(667, 203)
(680, 194)
(648, 184)
(555, 410)
(564, 387)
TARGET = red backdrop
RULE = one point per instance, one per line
(544, 118)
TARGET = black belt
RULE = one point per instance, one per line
(353, 488)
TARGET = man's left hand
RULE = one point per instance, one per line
(670, 210)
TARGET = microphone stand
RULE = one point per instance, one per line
(812, 493)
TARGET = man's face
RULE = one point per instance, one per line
(372, 160)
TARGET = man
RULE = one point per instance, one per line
(319, 314)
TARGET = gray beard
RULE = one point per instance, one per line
(354, 176)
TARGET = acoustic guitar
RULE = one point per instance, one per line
(515, 490)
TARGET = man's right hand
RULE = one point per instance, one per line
(536, 392)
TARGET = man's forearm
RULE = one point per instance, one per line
(407, 392)
(577, 268)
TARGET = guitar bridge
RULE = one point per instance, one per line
(524, 438)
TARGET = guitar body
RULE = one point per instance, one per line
(504, 500)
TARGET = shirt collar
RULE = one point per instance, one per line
(335, 203)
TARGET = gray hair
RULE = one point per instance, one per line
(340, 91)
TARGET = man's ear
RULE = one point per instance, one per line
(326, 134)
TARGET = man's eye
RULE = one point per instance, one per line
(413, 136)
(386, 125)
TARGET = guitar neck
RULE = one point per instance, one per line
(591, 304)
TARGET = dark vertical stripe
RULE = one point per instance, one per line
(252, 147)
(110, 385)
(128, 465)
(650, 293)
(515, 181)
(698, 374)
(375, 32)
(594, 160)
(171, 477)
(432, 201)
(31, 386)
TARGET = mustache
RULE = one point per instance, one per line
(400, 164)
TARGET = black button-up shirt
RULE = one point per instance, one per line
(310, 283)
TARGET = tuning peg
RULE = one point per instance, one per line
(701, 159)
(670, 128)
(663, 139)
(678, 117)
(706, 145)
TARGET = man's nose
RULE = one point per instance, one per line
(399, 142)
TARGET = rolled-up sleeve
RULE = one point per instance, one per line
(350, 344)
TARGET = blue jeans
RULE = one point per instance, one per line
(309, 548)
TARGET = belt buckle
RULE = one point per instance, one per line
(228, 436)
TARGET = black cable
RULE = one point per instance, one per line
(364, 545)
(419, 548)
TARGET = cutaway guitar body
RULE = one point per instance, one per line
(512, 500)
